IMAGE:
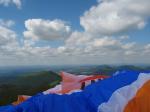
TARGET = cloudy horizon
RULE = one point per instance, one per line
(49, 32)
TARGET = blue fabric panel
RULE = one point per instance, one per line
(86, 101)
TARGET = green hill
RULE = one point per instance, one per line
(26, 84)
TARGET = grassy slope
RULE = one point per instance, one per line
(28, 84)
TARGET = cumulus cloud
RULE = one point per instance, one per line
(129, 45)
(7, 36)
(124, 37)
(6, 23)
(8, 2)
(147, 49)
(8, 45)
(87, 45)
(78, 39)
(77, 50)
(40, 29)
(96, 44)
(115, 16)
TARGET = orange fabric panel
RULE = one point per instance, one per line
(141, 102)
(21, 98)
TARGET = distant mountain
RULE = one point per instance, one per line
(19, 70)
(100, 69)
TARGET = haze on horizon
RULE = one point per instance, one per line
(71, 32)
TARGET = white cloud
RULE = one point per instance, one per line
(86, 45)
(8, 2)
(78, 39)
(8, 44)
(124, 37)
(40, 29)
(129, 45)
(17, 3)
(147, 49)
(116, 16)
(6, 23)
(105, 41)
(28, 43)
(7, 36)
(97, 44)
(76, 50)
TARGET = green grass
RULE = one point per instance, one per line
(26, 84)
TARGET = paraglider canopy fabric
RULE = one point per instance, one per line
(70, 83)
(102, 96)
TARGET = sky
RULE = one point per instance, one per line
(74, 32)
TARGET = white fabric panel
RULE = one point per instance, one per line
(122, 96)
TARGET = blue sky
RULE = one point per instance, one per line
(74, 31)
(141, 36)
(68, 10)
